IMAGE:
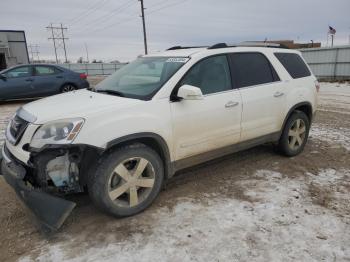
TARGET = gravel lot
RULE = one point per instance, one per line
(250, 206)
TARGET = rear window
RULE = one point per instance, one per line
(294, 64)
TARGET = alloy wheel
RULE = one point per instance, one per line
(68, 88)
(296, 134)
(131, 182)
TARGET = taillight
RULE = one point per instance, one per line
(83, 76)
(317, 85)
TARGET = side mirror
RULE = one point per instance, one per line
(189, 92)
(3, 77)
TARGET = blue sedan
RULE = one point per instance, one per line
(38, 80)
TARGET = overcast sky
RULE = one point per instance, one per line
(112, 29)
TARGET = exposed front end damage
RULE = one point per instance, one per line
(49, 176)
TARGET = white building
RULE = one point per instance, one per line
(13, 48)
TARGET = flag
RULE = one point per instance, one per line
(331, 30)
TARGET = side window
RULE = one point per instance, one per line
(251, 69)
(44, 70)
(293, 64)
(23, 71)
(211, 75)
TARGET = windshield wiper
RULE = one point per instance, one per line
(110, 92)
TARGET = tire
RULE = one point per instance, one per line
(68, 88)
(294, 135)
(117, 179)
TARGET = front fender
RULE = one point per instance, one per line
(151, 118)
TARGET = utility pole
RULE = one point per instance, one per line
(58, 38)
(34, 52)
(54, 40)
(64, 43)
(87, 53)
(144, 26)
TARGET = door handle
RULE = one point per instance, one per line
(231, 104)
(29, 80)
(59, 76)
(278, 94)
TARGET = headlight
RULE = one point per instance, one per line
(57, 132)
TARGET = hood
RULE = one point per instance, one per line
(82, 103)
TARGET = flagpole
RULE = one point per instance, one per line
(332, 39)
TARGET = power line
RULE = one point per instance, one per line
(166, 6)
(133, 18)
(83, 15)
(113, 24)
(110, 15)
(58, 38)
(158, 3)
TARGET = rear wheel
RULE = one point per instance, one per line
(68, 88)
(127, 180)
(295, 134)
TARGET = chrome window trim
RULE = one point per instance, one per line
(265, 84)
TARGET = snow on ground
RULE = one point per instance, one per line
(280, 222)
(335, 136)
(335, 97)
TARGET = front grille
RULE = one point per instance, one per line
(17, 128)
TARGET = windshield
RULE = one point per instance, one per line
(142, 78)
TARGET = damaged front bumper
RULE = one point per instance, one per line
(50, 211)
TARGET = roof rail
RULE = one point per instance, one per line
(218, 45)
(242, 44)
(262, 44)
(184, 47)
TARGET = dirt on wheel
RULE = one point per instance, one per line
(254, 205)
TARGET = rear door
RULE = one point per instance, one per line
(200, 126)
(47, 80)
(263, 94)
(18, 83)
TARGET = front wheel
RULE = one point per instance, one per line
(127, 180)
(295, 134)
(68, 88)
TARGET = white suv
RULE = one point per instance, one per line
(157, 115)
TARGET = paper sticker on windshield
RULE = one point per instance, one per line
(177, 60)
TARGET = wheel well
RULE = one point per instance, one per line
(153, 143)
(306, 109)
(303, 107)
(69, 83)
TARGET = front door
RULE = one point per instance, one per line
(17, 84)
(204, 125)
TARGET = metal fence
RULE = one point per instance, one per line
(329, 63)
(94, 69)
